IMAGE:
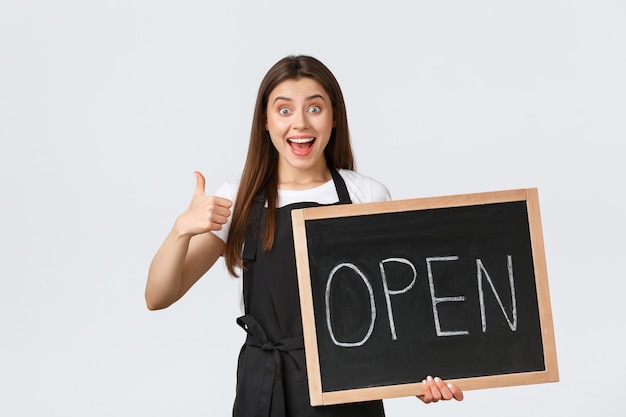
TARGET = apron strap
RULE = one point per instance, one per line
(340, 186)
(257, 337)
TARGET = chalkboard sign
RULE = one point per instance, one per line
(451, 286)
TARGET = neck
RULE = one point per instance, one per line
(299, 179)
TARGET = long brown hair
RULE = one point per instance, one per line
(260, 172)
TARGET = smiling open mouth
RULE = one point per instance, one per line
(301, 146)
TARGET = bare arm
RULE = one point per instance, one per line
(189, 250)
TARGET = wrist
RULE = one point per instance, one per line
(179, 232)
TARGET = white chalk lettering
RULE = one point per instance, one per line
(387, 273)
(436, 300)
(389, 292)
(480, 270)
(372, 306)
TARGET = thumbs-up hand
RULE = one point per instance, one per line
(205, 213)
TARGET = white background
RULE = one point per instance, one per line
(107, 108)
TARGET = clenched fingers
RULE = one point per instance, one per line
(435, 389)
(218, 211)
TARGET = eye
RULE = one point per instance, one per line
(284, 111)
(315, 109)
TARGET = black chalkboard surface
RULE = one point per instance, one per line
(451, 286)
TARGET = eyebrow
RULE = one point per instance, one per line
(314, 96)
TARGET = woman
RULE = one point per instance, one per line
(299, 156)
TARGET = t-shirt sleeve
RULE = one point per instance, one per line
(364, 189)
(379, 191)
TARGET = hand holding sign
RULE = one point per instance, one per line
(205, 213)
(435, 389)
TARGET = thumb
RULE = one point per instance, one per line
(199, 183)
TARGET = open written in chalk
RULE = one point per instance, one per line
(452, 286)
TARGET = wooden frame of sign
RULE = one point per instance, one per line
(452, 286)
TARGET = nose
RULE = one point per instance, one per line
(300, 120)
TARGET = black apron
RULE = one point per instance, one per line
(271, 373)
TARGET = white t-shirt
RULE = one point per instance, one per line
(361, 188)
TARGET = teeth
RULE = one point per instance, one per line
(301, 140)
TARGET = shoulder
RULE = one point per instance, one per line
(364, 189)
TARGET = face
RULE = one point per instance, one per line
(300, 121)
